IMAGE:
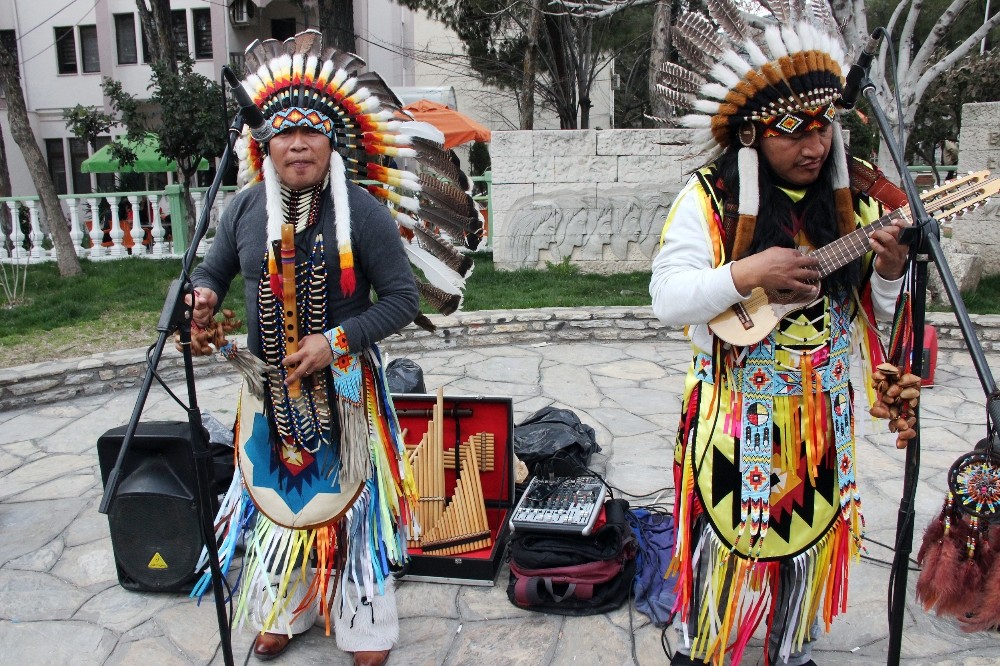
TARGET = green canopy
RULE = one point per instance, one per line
(148, 159)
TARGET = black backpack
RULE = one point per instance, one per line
(574, 575)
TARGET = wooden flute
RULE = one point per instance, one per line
(291, 311)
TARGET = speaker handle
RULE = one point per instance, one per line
(176, 316)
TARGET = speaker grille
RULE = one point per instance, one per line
(156, 539)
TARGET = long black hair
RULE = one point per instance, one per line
(774, 216)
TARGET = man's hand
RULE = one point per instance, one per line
(890, 256)
(205, 301)
(778, 268)
(313, 355)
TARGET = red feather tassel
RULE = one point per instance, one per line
(348, 281)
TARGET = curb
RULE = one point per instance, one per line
(53, 381)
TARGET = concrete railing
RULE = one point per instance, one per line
(101, 373)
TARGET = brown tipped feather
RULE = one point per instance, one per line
(697, 39)
(677, 99)
(447, 195)
(423, 322)
(438, 299)
(456, 225)
(728, 16)
(449, 256)
(432, 156)
(679, 78)
(349, 62)
(932, 537)
(377, 86)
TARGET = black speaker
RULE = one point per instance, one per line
(154, 520)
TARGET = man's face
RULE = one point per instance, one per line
(798, 157)
(301, 157)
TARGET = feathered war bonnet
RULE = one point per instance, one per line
(744, 85)
(299, 83)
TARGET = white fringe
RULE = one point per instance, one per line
(841, 175)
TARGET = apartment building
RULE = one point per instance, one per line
(65, 48)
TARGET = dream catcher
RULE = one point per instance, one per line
(961, 574)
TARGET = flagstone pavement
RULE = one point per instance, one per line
(61, 602)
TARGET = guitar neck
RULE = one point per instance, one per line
(847, 248)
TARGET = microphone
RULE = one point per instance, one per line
(252, 116)
(858, 71)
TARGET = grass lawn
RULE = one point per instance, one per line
(116, 304)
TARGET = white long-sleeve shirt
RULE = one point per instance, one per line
(687, 287)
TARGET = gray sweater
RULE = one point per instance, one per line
(380, 265)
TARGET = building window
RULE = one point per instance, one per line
(282, 29)
(57, 163)
(88, 48)
(179, 17)
(66, 50)
(125, 39)
(202, 19)
(77, 154)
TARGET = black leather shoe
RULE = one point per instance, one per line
(268, 646)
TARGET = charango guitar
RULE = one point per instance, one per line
(750, 321)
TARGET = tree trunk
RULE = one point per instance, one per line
(530, 67)
(191, 213)
(24, 137)
(5, 189)
(158, 26)
(336, 22)
(659, 54)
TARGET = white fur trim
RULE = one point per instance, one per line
(841, 175)
(696, 120)
(772, 36)
(792, 41)
(738, 64)
(724, 75)
(272, 187)
(708, 106)
(757, 55)
(341, 206)
(715, 91)
(749, 184)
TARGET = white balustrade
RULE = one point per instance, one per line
(16, 240)
(96, 232)
(37, 251)
(75, 232)
(135, 229)
(117, 250)
(157, 230)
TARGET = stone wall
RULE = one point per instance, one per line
(595, 197)
(53, 381)
(978, 232)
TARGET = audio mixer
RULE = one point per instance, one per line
(568, 504)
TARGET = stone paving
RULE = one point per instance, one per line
(62, 603)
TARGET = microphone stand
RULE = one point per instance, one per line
(176, 315)
(924, 238)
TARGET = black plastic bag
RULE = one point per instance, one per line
(405, 376)
(555, 441)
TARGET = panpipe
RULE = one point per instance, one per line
(461, 525)
(483, 441)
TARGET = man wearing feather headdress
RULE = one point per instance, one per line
(767, 507)
(323, 493)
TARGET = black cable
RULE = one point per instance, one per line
(159, 379)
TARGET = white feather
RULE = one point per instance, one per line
(417, 128)
(706, 106)
(434, 270)
(746, 159)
